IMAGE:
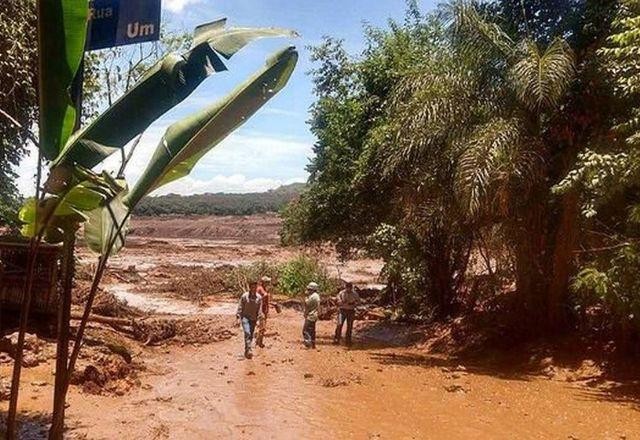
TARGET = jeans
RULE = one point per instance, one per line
(249, 327)
(345, 315)
(309, 333)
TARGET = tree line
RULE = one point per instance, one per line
(486, 138)
(220, 203)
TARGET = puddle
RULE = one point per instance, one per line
(168, 306)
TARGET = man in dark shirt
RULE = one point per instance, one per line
(249, 313)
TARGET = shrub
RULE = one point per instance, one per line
(240, 276)
(294, 275)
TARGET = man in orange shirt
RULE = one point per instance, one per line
(263, 285)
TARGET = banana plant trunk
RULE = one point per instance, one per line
(62, 350)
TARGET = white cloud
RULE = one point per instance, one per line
(263, 161)
(236, 183)
(244, 162)
(177, 6)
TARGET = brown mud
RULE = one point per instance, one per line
(396, 382)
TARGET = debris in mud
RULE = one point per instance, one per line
(105, 303)
(193, 283)
(333, 382)
(105, 374)
(152, 331)
(455, 388)
(201, 330)
(36, 350)
(5, 389)
(129, 275)
(106, 365)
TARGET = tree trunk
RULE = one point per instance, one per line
(530, 252)
(62, 350)
(562, 264)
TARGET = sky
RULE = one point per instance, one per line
(275, 145)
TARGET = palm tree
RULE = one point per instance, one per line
(500, 112)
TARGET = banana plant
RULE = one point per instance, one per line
(74, 194)
(171, 80)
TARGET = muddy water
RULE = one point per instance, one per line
(373, 391)
(168, 306)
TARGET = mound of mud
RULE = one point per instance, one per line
(106, 364)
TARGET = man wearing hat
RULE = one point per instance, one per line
(263, 285)
(248, 314)
(311, 306)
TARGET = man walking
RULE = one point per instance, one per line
(249, 313)
(311, 306)
(348, 299)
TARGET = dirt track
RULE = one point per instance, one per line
(384, 388)
(375, 390)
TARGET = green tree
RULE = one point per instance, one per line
(468, 133)
(607, 178)
(18, 100)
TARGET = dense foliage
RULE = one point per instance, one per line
(18, 100)
(220, 203)
(481, 133)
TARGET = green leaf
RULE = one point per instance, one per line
(27, 216)
(63, 29)
(70, 208)
(186, 141)
(164, 86)
(228, 42)
(103, 223)
(83, 197)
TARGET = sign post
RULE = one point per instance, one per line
(121, 22)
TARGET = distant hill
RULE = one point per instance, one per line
(219, 203)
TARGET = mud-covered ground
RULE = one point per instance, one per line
(188, 380)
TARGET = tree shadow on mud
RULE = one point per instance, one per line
(596, 374)
(31, 425)
(35, 426)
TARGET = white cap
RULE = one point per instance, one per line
(312, 286)
(265, 279)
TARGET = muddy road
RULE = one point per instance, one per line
(375, 390)
(389, 385)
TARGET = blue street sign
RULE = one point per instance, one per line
(120, 22)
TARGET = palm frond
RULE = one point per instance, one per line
(498, 156)
(476, 35)
(541, 79)
(426, 111)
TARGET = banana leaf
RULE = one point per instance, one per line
(68, 210)
(187, 141)
(62, 32)
(161, 88)
(103, 231)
